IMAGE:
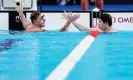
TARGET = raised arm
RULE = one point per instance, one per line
(80, 27)
(69, 21)
(84, 28)
(24, 21)
(66, 26)
(68, 16)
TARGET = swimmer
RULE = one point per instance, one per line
(85, 4)
(38, 21)
(104, 25)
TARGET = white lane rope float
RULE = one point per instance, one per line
(64, 68)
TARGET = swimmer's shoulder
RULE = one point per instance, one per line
(29, 27)
(113, 30)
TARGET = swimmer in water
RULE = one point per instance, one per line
(104, 25)
(38, 20)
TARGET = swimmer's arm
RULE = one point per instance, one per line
(70, 18)
(84, 28)
(24, 21)
(66, 26)
(80, 27)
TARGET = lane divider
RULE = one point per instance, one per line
(64, 68)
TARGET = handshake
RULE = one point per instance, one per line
(73, 17)
(70, 17)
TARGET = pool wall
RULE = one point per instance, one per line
(122, 20)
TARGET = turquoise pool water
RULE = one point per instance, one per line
(33, 56)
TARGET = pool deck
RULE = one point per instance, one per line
(78, 7)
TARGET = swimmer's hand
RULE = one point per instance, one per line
(70, 17)
(23, 19)
(19, 8)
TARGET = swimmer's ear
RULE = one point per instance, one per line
(106, 23)
(34, 21)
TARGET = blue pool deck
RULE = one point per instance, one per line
(78, 7)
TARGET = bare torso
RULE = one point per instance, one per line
(34, 28)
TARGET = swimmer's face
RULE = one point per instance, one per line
(102, 25)
(41, 20)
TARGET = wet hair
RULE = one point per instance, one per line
(106, 18)
(34, 15)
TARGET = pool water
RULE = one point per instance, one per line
(34, 55)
